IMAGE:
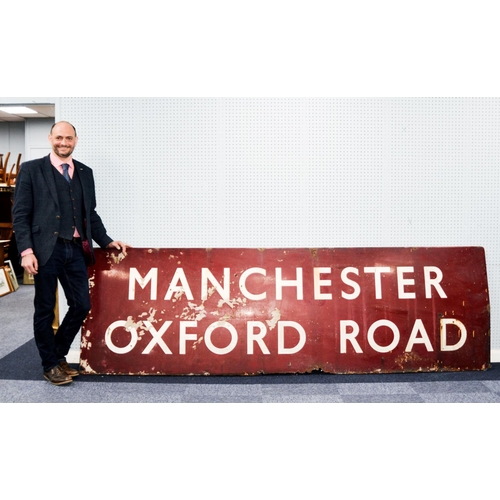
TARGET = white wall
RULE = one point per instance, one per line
(12, 140)
(29, 137)
(304, 172)
(37, 132)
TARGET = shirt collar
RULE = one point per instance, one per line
(57, 162)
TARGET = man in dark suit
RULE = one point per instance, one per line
(54, 214)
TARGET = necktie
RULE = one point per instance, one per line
(65, 167)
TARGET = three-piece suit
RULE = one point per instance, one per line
(45, 213)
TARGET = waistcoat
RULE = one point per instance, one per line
(70, 196)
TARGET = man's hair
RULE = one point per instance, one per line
(62, 121)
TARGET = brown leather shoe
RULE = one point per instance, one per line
(68, 370)
(57, 376)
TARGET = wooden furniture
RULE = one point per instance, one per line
(5, 238)
(4, 163)
(6, 201)
(10, 177)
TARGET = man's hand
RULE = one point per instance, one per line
(30, 263)
(119, 245)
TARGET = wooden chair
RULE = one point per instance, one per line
(10, 178)
(3, 168)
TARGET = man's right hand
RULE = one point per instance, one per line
(30, 263)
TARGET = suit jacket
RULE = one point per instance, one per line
(36, 214)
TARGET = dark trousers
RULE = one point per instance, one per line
(67, 265)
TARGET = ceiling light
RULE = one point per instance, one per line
(18, 110)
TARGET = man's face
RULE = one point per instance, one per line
(63, 140)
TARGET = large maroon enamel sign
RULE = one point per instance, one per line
(251, 311)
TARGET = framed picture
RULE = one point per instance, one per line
(28, 279)
(5, 286)
(13, 277)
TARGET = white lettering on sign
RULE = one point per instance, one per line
(281, 337)
(243, 284)
(444, 334)
(157, 337)
(221, 350)
(151, 277)
(223, 291)
(251, 286)
(403, 282)
(349, 330)
(280, 283)
(349, 333)
(353, 284)
(432, 279)
(179, 285)
(418, 328)
(377, 272)
(109, 341)
(179, 289)
(373, 329)
(256, 331)
(433, 282)
(256, 338)
(318, 283)
(184, 336)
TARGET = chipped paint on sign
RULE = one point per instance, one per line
(250, 311)
(274, 321)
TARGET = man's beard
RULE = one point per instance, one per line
(59, 153)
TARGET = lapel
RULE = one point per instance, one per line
(82, 175)
(48, 175)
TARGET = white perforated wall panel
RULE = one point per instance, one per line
(304, 172)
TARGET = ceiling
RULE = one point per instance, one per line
(43, 111)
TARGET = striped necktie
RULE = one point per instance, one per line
(65, 167)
